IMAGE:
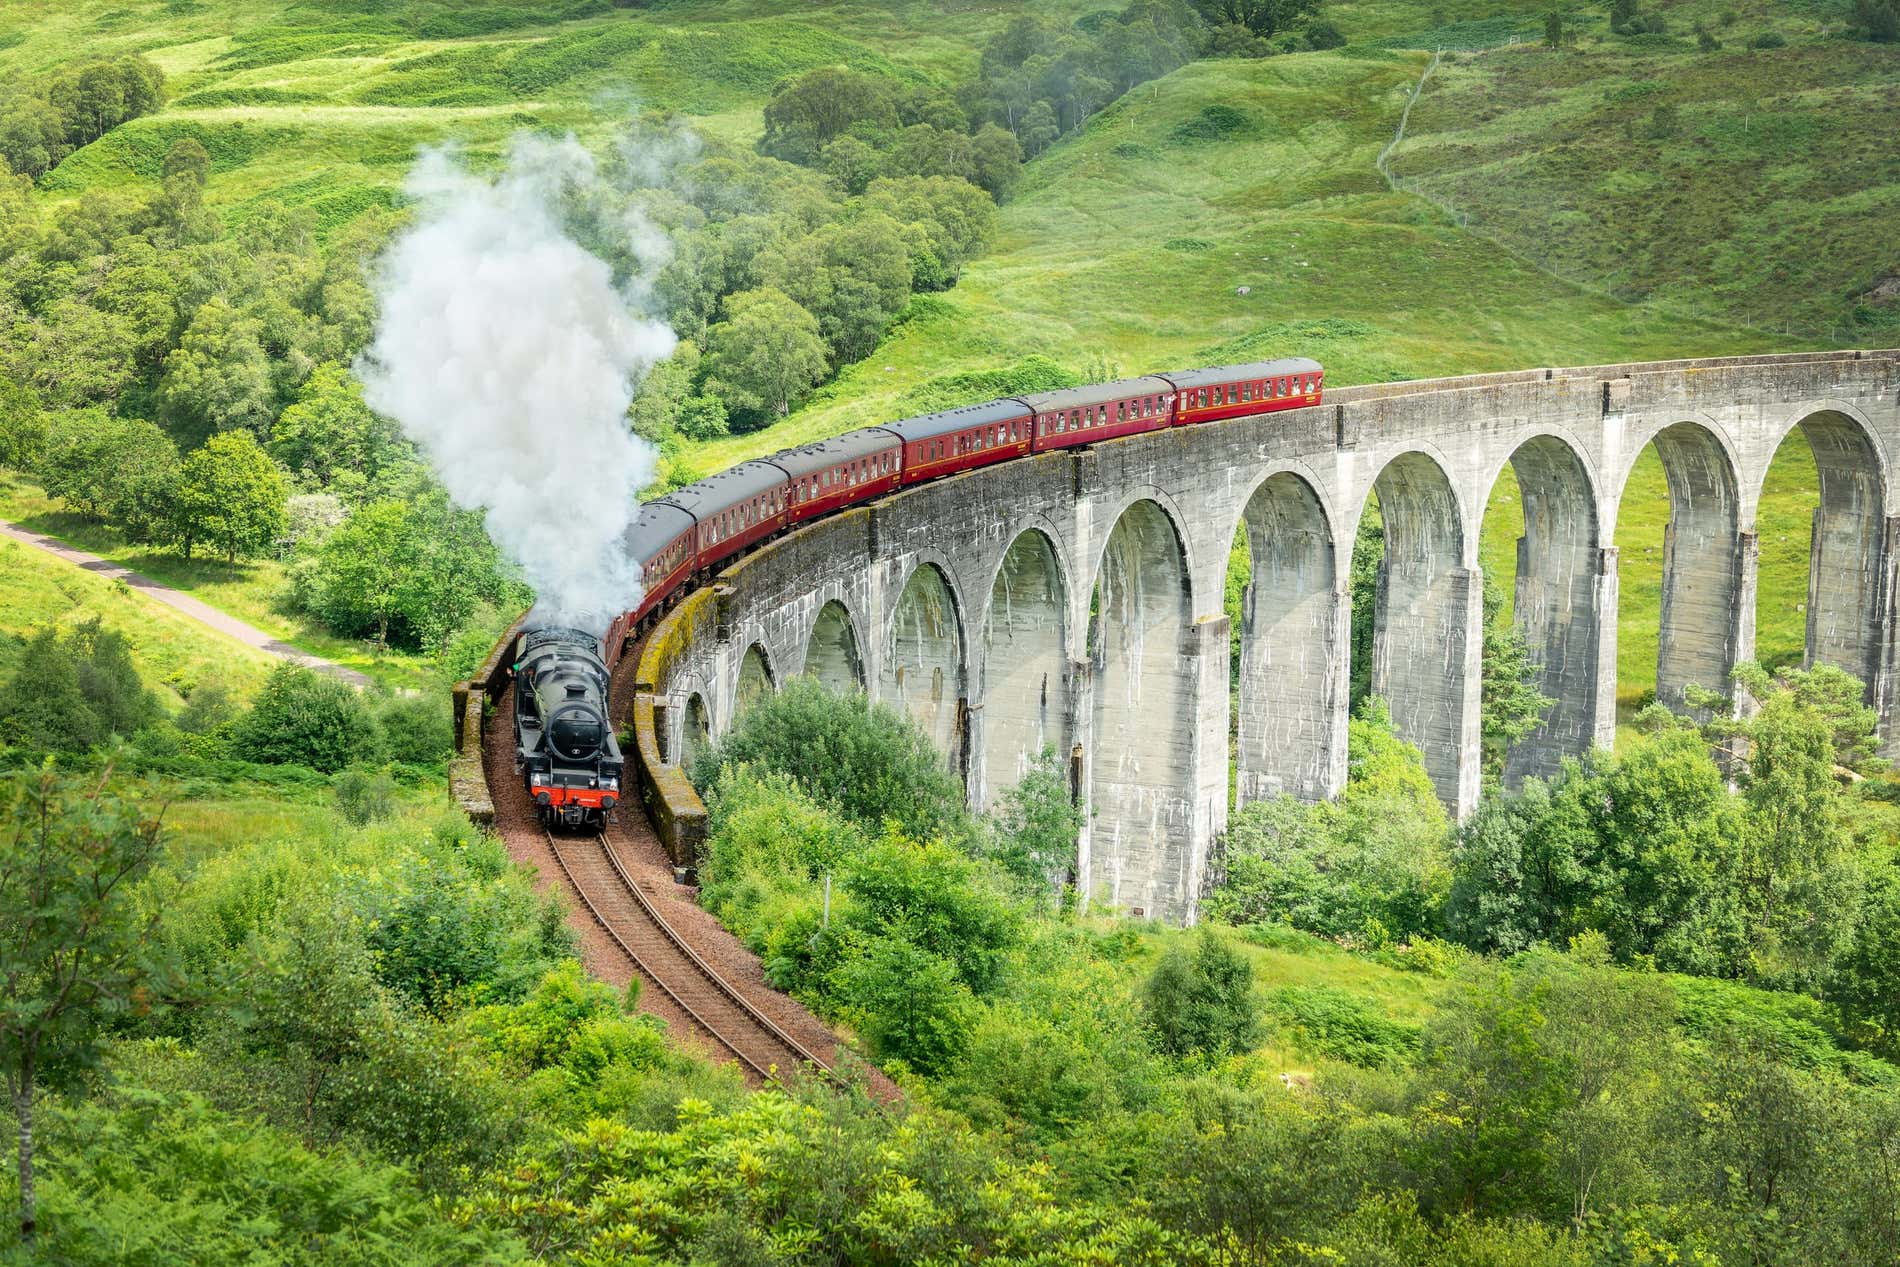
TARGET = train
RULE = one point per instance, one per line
(565, 747)
(687, 534)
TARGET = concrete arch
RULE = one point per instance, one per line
(1292, 647)
(1027, 686)
(1705, 622)
(1466, 516)
(1559, 604)
(1142, 787)
(1165, 504)
(1427, 627)
(923, 671)
(755, 681)
(831, 651)
(1849, 534)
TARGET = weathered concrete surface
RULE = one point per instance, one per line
(995, 641)
(1026, 697)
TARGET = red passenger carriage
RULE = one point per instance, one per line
(696, 528)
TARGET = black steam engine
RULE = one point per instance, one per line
(564, 745)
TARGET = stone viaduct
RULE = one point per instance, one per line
(1075, 599)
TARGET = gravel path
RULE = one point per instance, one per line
(203, 613)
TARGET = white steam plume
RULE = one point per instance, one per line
(509, 356)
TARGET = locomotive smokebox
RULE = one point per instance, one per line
(564, 744)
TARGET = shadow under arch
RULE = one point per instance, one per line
(831, 653)
(1427, 614)
(923, 671)
(695, 730)
(1291, 647)
(1027, 690)
(755, 681)
(1146, 691)
(1847, 534)
(1557, 605)
(1699, 622)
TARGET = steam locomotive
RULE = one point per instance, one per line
(689, 532)
(565, 748)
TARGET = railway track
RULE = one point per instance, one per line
(664, 961)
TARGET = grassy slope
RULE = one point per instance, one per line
(1770, 200)
(322, 107)
(1130, 243)
(173, 652)
(252, 591)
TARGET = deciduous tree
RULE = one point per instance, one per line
(219, 377)
(765, 356)
(335, 442)
(76, 949)
(1201, 1000)
(808, 111)
(231, 496)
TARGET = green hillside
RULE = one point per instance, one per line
(1754, 185)
(324, 105)
(1126, 249)
(1540, 237)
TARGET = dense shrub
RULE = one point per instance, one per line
(305, 718)
(70, 693)
(866, 761)
(164, 1180)
(1214, 123)
(1201, 1001)
(1341, 1024)
(414, 728)
(1369, 867)
(364, 796)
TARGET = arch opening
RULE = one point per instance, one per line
(831, 654)
(1289, 647)
(1679, 563)
(755, 681)
(1538, 547)
(1820, 524)
(695, 730)
(1424, 618)
(1027, 690)
(1141, 798)
(923, 662)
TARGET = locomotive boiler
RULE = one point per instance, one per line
(565, 749)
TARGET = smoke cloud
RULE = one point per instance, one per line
(509, 355)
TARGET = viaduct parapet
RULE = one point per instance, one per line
(1075, 600)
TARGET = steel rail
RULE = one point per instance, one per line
(640, 965)
(705, 969)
